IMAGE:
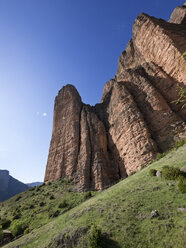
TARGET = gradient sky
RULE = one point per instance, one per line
(45, 44)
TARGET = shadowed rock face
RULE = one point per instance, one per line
(137, 116)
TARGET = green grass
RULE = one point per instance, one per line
(37, 206)
(122, 212)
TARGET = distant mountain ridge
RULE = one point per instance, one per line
(34, 184)
(9, 186)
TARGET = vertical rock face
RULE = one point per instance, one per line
(78, 148)
(137, 116)
(128, 136)
(64, 146)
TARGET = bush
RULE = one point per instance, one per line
(132, 173)
(37, 189)
(31, 189)
(95, 238)
(54, 213)
(18, 227)
(65, 181)
(152, 172)
(18, 198)
(171, 173)
(31, 206)
(41, 204)
(87, 195)
(179, 143)
(52, 197)
(26, 231)
(5, 223)
(1, 232)
(143, 167)
(159, 156)
(63, 204)
(182, 184)
(17, 216)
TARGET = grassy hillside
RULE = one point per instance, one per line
(39, 205)
(122, 212)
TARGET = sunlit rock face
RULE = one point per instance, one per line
(137, 117)
(78, 147)
(179, 15)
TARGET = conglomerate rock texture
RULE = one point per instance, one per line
(137, 117)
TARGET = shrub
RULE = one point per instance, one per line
(54, 213)
(63, 204)
(64, 180)
(18, 227)
(37, 189)
(18, 198)
(171, 173)
(5, 223)
(42, 204)
(179, 143)
(181, 92)
(132, 173)
(184, 55)
(87, 195)
(159, 156)
(70, 180)
(95, 238)
(1, 232)
(52, 197)
(26, 231)
(143, 167)
(182, 184)
(31, 206)
(152, 172)
(31, 189)
(17, 216)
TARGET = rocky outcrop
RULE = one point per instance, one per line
(137, 116)
(78, 147)
(64, 146)
(10, 186)
(179, 15)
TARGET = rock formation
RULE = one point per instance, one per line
(137, 117)
(10, 186)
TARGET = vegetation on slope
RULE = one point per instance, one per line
(141, 211)
(39, 205)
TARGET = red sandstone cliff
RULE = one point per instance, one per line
(137, 116)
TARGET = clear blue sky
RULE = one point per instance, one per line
(45, 44)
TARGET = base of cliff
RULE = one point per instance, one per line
(123, 212)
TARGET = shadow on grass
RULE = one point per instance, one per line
(109, 243)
